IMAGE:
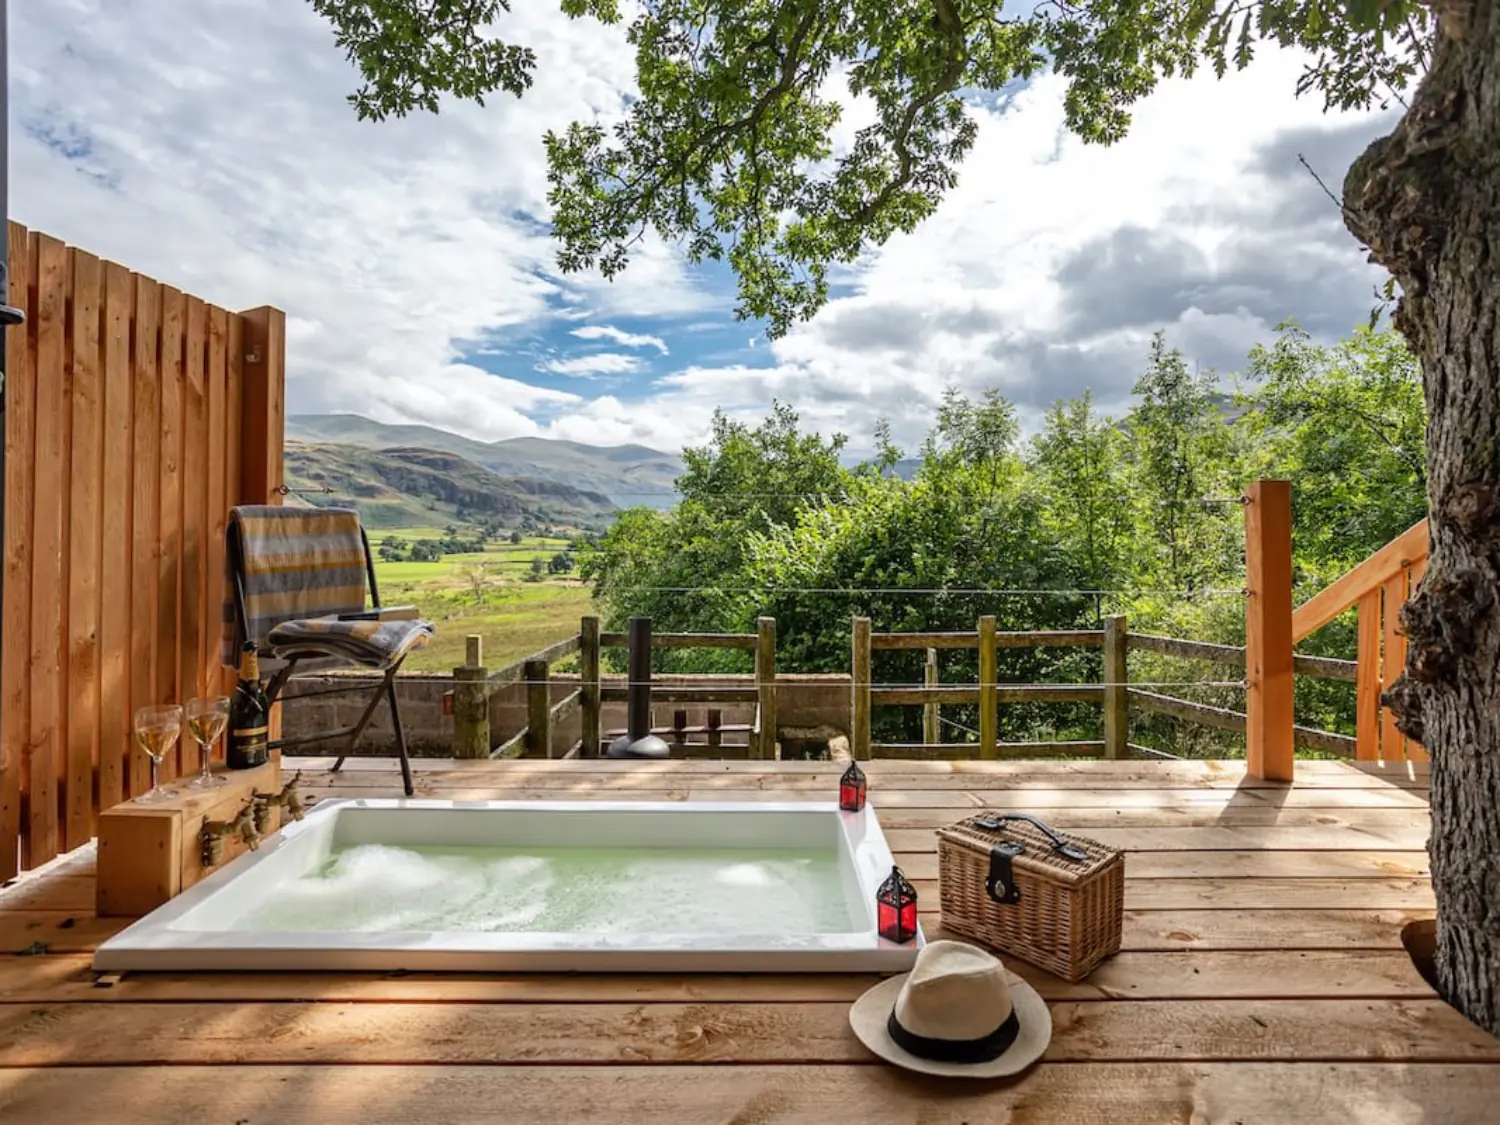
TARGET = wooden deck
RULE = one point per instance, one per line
(1262, 981)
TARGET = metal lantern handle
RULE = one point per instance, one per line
(1059, 845)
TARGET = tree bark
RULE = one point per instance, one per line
(1426, 200)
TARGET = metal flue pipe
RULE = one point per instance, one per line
(638, 741)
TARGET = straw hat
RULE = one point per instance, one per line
(958, 1012)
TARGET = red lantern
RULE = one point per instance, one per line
(896, 908)
(852, 789)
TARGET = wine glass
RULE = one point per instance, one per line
(206, 719)
(157, 730)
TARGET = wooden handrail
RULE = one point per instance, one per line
(684, 640)
(1321, 667)
(1403, 552)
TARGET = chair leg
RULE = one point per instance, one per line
(390, 690)
(364, 721)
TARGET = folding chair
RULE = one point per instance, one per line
(297, 585)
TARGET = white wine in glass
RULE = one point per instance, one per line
(206, 719)
(157, 730)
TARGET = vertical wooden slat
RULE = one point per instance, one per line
(169, 572)
(115, 538)
(145, 515)
(48, 738)
(588, 670)
(1414, 750)
(1268, 630)
(1116, 699)
(234, 405)
(85, 516)
(1393, 661)
(1418, 569)
(859, 689)
(15, 620)
(765, 684)
(1367, 680)
(989, 715)
(194, 497)
(216, 388)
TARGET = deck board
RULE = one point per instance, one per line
(1079, 1094)
(1262, 979)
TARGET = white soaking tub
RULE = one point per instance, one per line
(579, 886)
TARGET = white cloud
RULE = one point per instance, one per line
(210, 145)
(604, 363)
(620, 336)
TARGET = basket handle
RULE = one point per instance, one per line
(1059, 845)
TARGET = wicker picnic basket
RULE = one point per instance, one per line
(1051, 898)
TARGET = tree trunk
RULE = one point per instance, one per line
(1426, 200)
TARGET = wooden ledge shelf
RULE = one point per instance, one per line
(150, 854)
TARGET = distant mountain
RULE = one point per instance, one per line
(413, 487)
(627, 474)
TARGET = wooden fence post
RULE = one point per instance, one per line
(932, 727)
(1116, 701)
(588, 667)
(1268, 630)
(263, 421)
(538, 709)
(471, 703)
(989, 717)
(765, 684)
(859, 690)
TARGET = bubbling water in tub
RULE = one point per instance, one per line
(375, 888)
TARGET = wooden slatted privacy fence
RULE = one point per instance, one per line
(136, 417)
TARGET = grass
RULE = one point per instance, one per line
(515, 617)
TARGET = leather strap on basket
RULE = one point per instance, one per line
(1060, 846)
(1001, 884)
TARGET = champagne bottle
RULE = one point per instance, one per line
(249, 716)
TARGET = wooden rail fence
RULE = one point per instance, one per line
(473, 683)
(1114, 693)
(136, 417)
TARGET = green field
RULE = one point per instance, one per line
(485, 593)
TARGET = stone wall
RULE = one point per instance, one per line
(801, 702)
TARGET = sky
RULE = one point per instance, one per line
(208, 143)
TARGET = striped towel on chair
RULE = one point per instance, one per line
(293, 564)
(371, 643)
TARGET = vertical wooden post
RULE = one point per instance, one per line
(932, 727)
(471, 703)
(1393, 662)
(263, 423)
(989, 717)
(1116, 701)
(538, 709)
(262, 420)
(714, 722)
(765, 684)
(1268, 630)
(1367, 681)
(588, 667)
(859, 690)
